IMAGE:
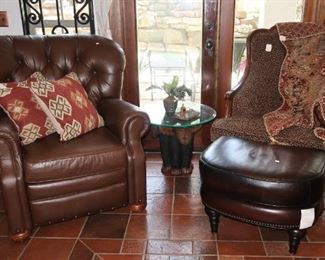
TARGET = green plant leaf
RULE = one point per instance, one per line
(172, 88)
(154, 87)
(175, 81)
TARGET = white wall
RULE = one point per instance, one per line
(101, 9)
(276, 11)
(14, 18)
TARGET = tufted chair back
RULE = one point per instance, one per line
(99, 70)
(50, 181)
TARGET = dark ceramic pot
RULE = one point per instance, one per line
(170, 104)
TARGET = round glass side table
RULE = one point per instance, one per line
(176, 133)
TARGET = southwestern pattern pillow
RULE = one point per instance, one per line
(20, 105)
(301, 82)
(67, 105)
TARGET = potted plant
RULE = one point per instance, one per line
(174, 93)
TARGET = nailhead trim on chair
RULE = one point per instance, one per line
(254, 222)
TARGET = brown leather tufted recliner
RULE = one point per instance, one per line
(50, 181)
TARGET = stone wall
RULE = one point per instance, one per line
(169, 24)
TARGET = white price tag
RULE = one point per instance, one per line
(307, 218)
(268, 47)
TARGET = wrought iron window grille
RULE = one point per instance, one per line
(57, 16)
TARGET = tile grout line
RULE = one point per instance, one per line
(24, 249)
(126, 229)
(36, 231)
(82, 242)
(262, 240)
(172, 209)
(97, 255)
(144, 249)
(77, 238)
(146, 214)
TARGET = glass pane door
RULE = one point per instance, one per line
(169, 45)
(253, 14)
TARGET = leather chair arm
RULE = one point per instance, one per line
(130, 124)
(125, 120)
(8, 132)
(12, 180)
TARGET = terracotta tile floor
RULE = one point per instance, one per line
(173, 227)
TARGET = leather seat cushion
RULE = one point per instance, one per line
(96, 152)
(258, 173)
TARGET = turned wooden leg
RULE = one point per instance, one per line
(213, 218)
(20, 237)
(294, 239)
(137, 207)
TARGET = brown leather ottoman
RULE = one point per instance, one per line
(267, 185)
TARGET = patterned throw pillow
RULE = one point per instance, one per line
(20, 105)
(67, 105)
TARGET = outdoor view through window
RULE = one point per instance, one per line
(253, 14)
(170, 39)
(169, 44)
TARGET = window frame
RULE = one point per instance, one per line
(33, 17)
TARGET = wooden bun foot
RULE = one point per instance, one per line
(137, 207)
(20, 237)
